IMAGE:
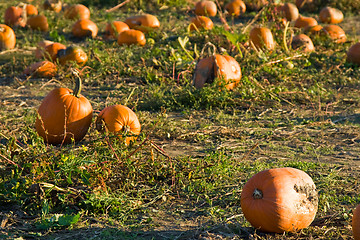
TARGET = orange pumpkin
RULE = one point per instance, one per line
(114, 28)
(40, 48)
(53, 5)
(14, 17)
(31, 10)
(356, 223)
(305, 22)
(303, 43)
(38, 22)
(72, 54)
(235, 8)
(7, 37)
(279, 200)
(64, 115)
(120, 120)
(205, 8)
(201, 22)
(44, 69)
(130, 37)
(84, 28)
(314, 30)
(77, 11)
(262, 38)
(52, 50)
(353, 54)
(144, 23)
(335, 32)
(290, 11)
(223, 67)
(331, 15)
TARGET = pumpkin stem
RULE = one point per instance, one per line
(78, 84)
(126, 129)
(207, 45)
(257, 194)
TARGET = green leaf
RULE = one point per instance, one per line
(68, 220)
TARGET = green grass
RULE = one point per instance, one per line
(184, 175)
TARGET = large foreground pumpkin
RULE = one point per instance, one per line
(280, 200)
(224, 67)
(64, 115)
(119, 120)
(356, 223)
(7, 37)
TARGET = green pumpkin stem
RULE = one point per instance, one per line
(78, 83)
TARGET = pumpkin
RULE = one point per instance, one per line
(40, 48)
(314, 30)
(302, 42)
(53, 5)
(31, 10)
(120, 120)
(291, 12)
(205, 8)
(38, 22)
(223, 67)
(52, 50)
(63, 115)
(201, 22)
(255, 5)
(7, 37)
(130, 37)
(331, 15)
(72, 54)
(262, 38)
(14, 17)
(335, 32)
(279, 200)
(356, 223)
(84, 28)
(114, 28)
(144, 23)
(353, 54)
(77, 11)
(308, 5)
(44, 69)
(235, 8)
(305, 22)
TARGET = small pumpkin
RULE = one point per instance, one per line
(114, 28)
(120, 120)
(279, 200)
(77, 11)
(144, 23)
(235, 8)
(262, 38)
(356, 223)
(72, 54)
(63, 115)
(331, 15)
(40, 48)
(223, 67)
(84, 28)
(205, 8)
(353, 55)
(52, 50)
(52, 5)
(290, 11)
(335, 32)
(38, 22)
(14, 17)
(31, 10)
(7, 37)
(132, 36)
(44, 69)
(303, 43)
(201, 22)
(305, 22)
